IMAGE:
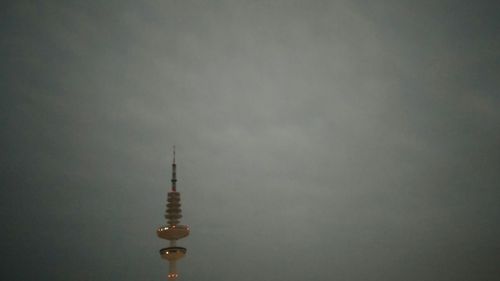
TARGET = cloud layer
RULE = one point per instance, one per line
(316, 139)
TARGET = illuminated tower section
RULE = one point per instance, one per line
(173, 231)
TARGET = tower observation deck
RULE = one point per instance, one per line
(173, 231)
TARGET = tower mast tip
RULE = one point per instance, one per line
(173, 149)
(174, 175)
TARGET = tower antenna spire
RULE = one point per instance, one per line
(174, 173)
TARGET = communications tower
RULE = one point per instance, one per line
(173, 231)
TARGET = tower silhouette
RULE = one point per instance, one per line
(173, 231)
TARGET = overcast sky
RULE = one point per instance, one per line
(316, 140)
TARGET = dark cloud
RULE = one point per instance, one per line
(316, 139)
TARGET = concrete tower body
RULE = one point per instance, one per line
(173, 231)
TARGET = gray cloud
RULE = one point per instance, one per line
(316, 139)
